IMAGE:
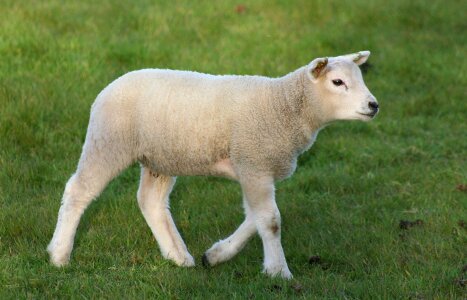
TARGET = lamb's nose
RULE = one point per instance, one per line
(373, 105)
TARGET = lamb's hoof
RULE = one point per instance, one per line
(59, 261)
(58, 258)
(185, 260)
(188, 262)
(281, 272)
(205, 261)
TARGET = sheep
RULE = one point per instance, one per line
(250, 129)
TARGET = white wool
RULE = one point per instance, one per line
(247, 128)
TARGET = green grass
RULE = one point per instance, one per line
(345, 201)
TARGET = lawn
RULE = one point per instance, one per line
(344, 205)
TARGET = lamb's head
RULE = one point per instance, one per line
(338, 86)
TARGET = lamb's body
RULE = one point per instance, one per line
(187, 123)
(247, 128)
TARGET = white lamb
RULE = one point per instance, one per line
(247, 128)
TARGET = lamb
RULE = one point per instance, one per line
(247, 128)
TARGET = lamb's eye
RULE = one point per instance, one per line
(337, 82)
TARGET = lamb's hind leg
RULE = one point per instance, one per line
(153, 199)
(93, 173)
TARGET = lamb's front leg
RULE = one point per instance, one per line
(153, 199)
(259, 192)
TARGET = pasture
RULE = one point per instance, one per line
(349, 214)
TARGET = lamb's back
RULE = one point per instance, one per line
(181, 120)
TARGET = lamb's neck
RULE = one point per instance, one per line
(293, 97)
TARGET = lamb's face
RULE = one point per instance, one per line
(339, 86)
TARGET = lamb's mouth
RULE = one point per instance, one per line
(370, 115)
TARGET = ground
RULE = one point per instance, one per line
(375, 210)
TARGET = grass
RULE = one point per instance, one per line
(345, 201)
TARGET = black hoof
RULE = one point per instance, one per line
(204, 261)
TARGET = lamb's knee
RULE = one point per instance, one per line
(269, 224)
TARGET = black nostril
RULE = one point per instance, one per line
(373, 105)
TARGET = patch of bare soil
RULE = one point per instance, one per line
(406, 224)
(462, 188)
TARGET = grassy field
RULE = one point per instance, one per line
(349, 193)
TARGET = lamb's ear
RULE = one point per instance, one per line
(317, 68)
(360, 57)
